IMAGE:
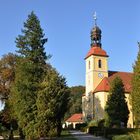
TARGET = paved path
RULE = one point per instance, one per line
(83, 136)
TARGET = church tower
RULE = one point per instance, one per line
(96, 61)
(98, 81)
(96, 69)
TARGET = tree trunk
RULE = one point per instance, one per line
(59, 128)
(22, 137)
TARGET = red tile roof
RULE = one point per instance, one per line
(75, 118)
(104, 85)
(126, 77)
(95, 50)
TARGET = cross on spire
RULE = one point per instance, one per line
(95, 18)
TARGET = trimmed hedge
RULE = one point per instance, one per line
(122, 137)
(110, 132)
(97, 131)
(117, 131)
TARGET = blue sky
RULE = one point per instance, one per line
(67, 25)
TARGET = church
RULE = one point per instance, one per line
(98, 80)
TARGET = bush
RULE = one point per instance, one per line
(136, 135)
(101, 123)
(93, 123)
(122, 137)
(2, 128)
(80, 126)
(52, 133)
(117, 131)
(110, 132)
(5, 134)
(94, 130)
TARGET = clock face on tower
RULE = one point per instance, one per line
(100, 75)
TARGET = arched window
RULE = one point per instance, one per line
(99, 63)
(89, 64)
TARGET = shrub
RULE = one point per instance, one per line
(94, 130)
(93, 123)
(117, 131)
(2, 128)
(80, 126)
(101, 123)
(122, 137)
(136, 135)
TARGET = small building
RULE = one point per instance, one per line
(74, 119)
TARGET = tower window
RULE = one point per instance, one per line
(99, 63)
(89, 64)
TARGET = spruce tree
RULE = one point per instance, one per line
(30, 71)
(116, 106)
(135, 95)
(52, 103)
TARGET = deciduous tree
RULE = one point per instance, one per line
(75, 103)
(7, 76)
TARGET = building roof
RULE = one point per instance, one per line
(75, 118)
(96, 50)
(103, 85)
(126, 77)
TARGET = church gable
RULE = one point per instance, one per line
(126, 77)
(103, 86)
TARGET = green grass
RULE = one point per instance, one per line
(65, 133)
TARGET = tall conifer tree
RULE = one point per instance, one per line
(135, 95)
(116, 107)
(52, 103)
(29, 74)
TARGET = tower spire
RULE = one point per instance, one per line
(96, 34)
(95, 18)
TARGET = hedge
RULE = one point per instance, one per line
(80, 126)
(122, 137)
(109, 132)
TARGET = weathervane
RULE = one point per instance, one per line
(95, 18)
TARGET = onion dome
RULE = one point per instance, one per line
(96, 36)
(96, 48)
